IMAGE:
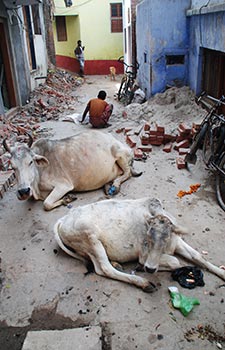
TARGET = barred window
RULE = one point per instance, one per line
(116, 18)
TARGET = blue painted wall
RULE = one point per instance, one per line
(162, 30)
(207, 30)
(174, 27)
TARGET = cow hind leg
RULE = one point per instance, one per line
(185, 250)
(104, 268)
(124, 161)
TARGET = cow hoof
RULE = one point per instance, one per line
(69, 198)
(150, 288)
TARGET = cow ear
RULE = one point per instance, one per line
(40, 161)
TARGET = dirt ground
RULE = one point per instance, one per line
(42, 288)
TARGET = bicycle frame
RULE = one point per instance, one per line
(212, 135)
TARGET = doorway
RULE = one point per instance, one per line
(214, 73)
(7, 90)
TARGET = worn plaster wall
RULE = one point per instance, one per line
(90, 22)
(162, 32)
(207, 30)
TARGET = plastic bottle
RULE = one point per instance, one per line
(112, 190)
(180, 301)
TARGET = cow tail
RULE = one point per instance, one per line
(60, 242)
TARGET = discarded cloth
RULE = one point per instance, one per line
(188, 277)
(193, 188)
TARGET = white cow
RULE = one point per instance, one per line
(123, 231)
(48, 169)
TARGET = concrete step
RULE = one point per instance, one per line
(87, 338)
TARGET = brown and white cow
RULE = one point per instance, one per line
(48, 169)
(124, 231)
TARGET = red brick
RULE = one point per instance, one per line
(138, 153)
(183, 151)
(131, 141)
(169, 138)
(127, 130)
(118, 131)
(160, 129)
(152, 138)
(145, 148)
(168, 147)
(184, 128)
(180, 163)
(156, 143)
(153, 132)
(146, 127)
(182, 144)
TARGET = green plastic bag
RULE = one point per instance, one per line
(180, 301)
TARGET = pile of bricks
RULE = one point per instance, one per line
(143, 138)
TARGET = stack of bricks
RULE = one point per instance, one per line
(155, 136)
(182, 144)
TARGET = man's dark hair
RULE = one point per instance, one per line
(102, 94)
(79, 42)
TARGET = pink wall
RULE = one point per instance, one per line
(97, 67)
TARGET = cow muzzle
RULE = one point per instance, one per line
(24, 193)
(150, 269)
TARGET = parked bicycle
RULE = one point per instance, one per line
(126, 90)
(211, 138)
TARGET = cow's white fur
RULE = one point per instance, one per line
(123, 231)
(52, 168)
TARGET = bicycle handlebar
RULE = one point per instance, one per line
(128, 66)
(219, 102)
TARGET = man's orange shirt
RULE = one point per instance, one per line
(97, 107)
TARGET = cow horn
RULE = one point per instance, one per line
(30, 142)
(7, 148)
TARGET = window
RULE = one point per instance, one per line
(116, 18)
(61, 28)
(36, 19)
(174, 59)
(29, 37)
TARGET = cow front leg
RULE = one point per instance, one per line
(168, 262)
(185, 250)
(104, 268)
(55, 198)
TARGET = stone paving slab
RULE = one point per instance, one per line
(87, 338)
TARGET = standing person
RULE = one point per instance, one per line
(79, 53)
(99, 111)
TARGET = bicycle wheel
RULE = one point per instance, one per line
(220, 183)
(122, 89)
(196, 144)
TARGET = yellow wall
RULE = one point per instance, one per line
(92, 26)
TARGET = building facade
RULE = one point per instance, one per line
(162, 44)
(98, 24)
(23, 52)
(181, 43)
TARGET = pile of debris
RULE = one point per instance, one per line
(48, 101)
